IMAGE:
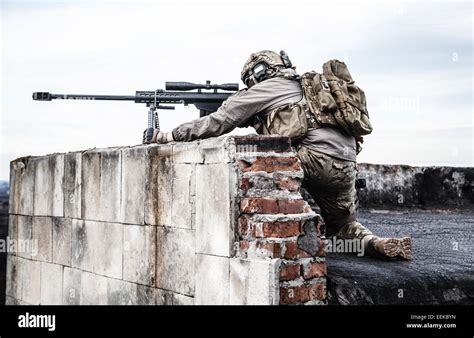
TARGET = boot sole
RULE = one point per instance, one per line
(405, 248)
(398, 247)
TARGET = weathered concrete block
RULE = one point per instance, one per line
(175, 260)
(101, 185)
(179, 299)
(72, 184)
(107, 248)
(13, 233)
(189, 152)
(158, 185)
(90, 176)
(97, 247)
(51, 284)
(214, 233)
(25, 244)
(120, 292)
(110, 185)
(48, 193)
(182, 208)
(254, 282)
(22, 187)
(163, 297)
(93, 289)
(139, 254)
(62, 241)
(71, 286)
(133, 185)
(31, 281)
(212, 280)
(43, 235)
(217, 149)
(14, 186)
(11, 301)
(82, 245)
(13, 281)
(147, 295)
(57, 207)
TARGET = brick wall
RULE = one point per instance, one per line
(219, 221)
(274, 219)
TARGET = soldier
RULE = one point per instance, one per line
(327, 153)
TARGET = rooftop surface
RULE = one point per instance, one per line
(441, 271)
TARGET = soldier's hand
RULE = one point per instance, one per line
(152, 135)
(164, 137)
(149, 135)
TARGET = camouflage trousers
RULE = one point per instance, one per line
(331, 183)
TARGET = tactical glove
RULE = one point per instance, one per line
(152, 135)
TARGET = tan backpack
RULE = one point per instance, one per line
(335, 100)
(289, 120)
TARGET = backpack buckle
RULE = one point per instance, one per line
(324, 82)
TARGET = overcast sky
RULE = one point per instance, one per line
(414, 61)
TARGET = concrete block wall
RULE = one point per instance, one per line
(407, 186)
(216, 221)
(4, 198)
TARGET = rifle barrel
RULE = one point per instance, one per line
(45, 96)
(139, 97)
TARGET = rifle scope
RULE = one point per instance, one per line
(184, 86)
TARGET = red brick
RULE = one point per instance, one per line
(274, 249)
(244, 245)
(245, 184)
(244, 164)
(272, 164)
(271, 206)
(259, 205)
(268, 249)
(277, 229)
(290, 272)
(245, 229)
(291, 206)
(293, 252)
(320, 228)
(294, 295)
(322, 249)
(291, 184)
(315, 269)
(302, 294)
(317, 292)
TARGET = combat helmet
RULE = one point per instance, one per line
(263, 65)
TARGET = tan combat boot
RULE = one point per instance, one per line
(388, 247)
